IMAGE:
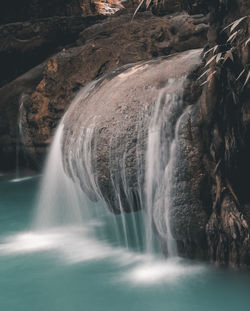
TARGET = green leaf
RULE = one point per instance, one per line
(237, 22)
(228, 54)
(203, 74)
(210, 60)
(247, 78)
(240, 74)
(218, 57)
(137, 9)
(148, 3)
(247, 41)
(214, 48)
(232, 37)
(209, 77)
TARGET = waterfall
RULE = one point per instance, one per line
(131, 165)
(161, 161)
(20, 141)
(19, 136)
(58, 202)
(112, 180)
(62, 205)
(62, 202)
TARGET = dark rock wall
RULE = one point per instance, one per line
(224, 105)
(11, 96)
(17, 11)
(24, 45)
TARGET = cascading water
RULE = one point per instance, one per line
(140, 158)
(161, 158)
(19, 139)
(61, 201)
(63, 207)
(117, 147)
(58, 203)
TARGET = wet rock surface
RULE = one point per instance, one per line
(105, 135)
(224, 143)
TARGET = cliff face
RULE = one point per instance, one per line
(225, 109)
(223, 135)
(18, 11)
(212, 220)
(99, 48)
(24, 45)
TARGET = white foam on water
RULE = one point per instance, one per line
(152, 271)
(21, 179)
(71, 244)
(25, 242)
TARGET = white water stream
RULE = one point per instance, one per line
(62, 203)
(19, 140)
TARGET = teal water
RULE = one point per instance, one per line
(71, 271)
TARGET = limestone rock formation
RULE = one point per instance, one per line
(100, 48)
(105, 136)
(24, 45)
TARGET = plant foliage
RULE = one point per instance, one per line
(219, 55)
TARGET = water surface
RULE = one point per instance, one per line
(68, 269)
